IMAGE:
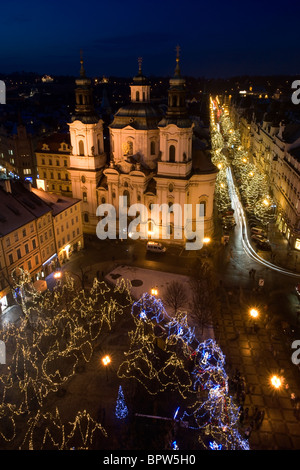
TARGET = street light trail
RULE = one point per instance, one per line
(242, 222)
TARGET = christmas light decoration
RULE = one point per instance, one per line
(196, 370)
(121, 407)
(57, 332)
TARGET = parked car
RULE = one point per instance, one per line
(258, 231)
(258, 238)
(155, 247)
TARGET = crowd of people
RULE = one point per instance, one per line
(250, 419)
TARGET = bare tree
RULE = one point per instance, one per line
(204, 300)
(176, 296)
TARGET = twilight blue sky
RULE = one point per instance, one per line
(217, 38)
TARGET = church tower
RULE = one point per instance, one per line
(174, 166)
(87, 157)
(176, 131)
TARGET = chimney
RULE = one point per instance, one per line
(7, 186)
(27, 185)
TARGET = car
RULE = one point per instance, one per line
(258, 231)
(264, 245)
(155, 247)
(259, 238)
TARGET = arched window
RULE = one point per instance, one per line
(126, 194)
(202, 208)
(174, 103)
(81, 147)
(172, 153)
(86, 217)
(152, 148)
(137, 96)
(84, 196)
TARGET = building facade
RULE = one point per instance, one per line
(38, 232)
(273, 145)
(53, 161)
(154, 158)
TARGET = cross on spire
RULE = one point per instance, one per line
(82, 71)
(177, 69)
(140, 61)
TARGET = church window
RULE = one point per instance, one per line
(84, 196)
(172, 153)
(152, 148)
(126, 194)
(174, 101)
(144, 96)
(83, 179)
(86, 217)
(98, 142)
(81, 147)
(171, 187)
(137, 96)
(202, 208)
(103, 200)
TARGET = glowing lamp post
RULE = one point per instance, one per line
(106, 360)
(276, 381)
(254, 313)
(154, 291)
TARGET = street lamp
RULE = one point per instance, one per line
(254, 313)
(276, 381)
(154, 291)
(206, 240)
(106, 360)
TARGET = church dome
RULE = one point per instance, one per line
(137, 115)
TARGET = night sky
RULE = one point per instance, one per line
(217, 38)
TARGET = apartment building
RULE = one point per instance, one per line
(273, 144)
(38, 230)
(53, 161)
(67, 223)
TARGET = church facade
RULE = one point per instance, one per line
(155, 159)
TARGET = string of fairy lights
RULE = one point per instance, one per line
(253, 184)
(192, 368)
(58, 330)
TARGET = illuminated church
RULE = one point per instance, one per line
(155, 158)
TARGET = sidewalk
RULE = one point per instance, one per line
(257, 355)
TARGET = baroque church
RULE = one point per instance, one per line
(155, 158)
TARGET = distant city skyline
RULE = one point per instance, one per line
(217, 40)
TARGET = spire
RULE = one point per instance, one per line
(84, 107)
(177, 69)
(140, 61)
(82, 71)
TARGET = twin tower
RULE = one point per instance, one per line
(151, 155)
